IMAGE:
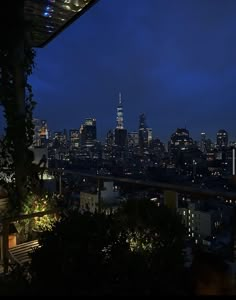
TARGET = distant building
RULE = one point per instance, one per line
(110, 199)
(143, 133)
(203, 147)
(59, 139)
(149, 136)
(222, 139)
(120, 138)
(206, 226)
(133, 139)
(108, 147)
(89, 201)
(120, 115)
(209, 145)
(157, 147)
(110, 138)
(180, 140)
(44, 133)
(88, 132)
(200, 224)
(74, 138)
(36, 136)
(40, 137)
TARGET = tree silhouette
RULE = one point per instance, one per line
(137, 251)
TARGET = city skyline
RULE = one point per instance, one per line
(173, 60)
(118, 148)
(102, 138)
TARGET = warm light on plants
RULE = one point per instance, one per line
(139, 242)
(35, 203)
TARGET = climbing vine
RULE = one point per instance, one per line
(19, 121)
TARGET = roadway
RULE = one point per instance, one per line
(159, 185)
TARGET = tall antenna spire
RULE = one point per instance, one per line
(119, 98)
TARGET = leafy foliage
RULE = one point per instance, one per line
(36, 203)
(92, 254)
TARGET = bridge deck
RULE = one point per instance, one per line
(180, 188)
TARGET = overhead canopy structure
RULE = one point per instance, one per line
(50, 17)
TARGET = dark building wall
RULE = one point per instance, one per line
(120, 137)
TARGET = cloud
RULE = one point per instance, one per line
(160, 54)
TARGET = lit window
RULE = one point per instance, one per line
(192, 234)
(192, 215)
(189, 211)
(184, 213)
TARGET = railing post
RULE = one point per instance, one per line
(5, 246)
(99, 196)
(60, 188)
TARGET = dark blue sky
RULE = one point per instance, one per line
(174, 60)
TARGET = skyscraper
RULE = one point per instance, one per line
(36, 136)
(59, 139)
(40, 138)
(149, 136)
(88, 132)
(120, 115)
(143, 133)
(180, 140)
(120, 132)
(74, 138)
(222, 139)
(203, 143)
(110, 138)
(133, 139)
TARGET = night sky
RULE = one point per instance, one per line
(174, 60)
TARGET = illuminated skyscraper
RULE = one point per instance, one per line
(120, 115)
(120, 132)
(40, 138)
(110, 138)
(88, 132)
(36, 137)
(149, 136)
(59, 139)
(44, 129)
(222, 138)
(203, 143)
(180, 140)
(74, 138)
(133, 139)
(143, 133)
